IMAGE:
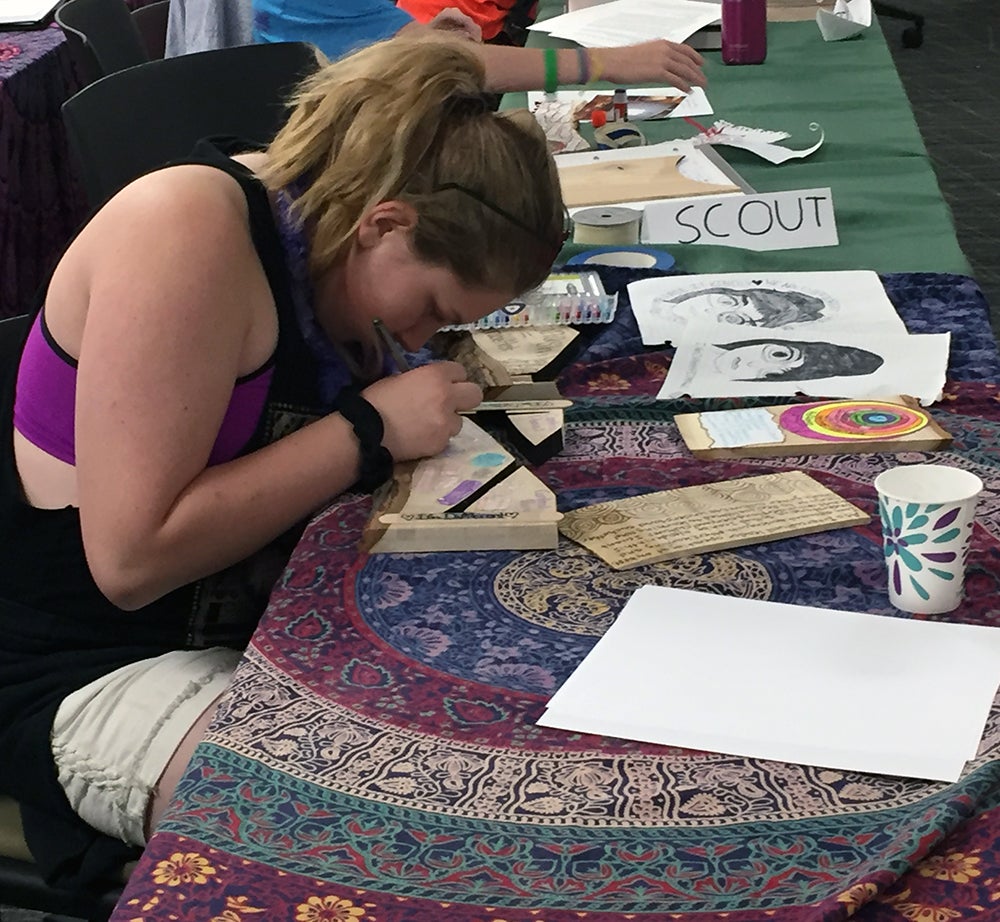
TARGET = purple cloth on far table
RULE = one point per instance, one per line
(41, 200)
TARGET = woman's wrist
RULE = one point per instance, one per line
(375, 459)
(572, 66)
(590, 64)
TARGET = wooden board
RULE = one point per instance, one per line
(695, 429)
(416, 510)
(631, 181)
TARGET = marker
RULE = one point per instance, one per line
(390, 343)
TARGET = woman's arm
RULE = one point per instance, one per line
(659, 62)
(175, 306)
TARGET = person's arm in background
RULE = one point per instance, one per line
(511, 67)
(660, 62)
(351, 24)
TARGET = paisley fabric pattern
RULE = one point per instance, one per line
(377, 755)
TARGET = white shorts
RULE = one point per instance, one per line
(113, 738)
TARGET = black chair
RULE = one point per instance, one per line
(103, 36)
(151, 21)
(137, 119)
(21, 885)
(913, 35)
(12, 332)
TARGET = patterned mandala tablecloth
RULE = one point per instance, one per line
(377, 756)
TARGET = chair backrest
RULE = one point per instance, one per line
(12, 333)
(137, 119)
(151, 21)
(103, 33)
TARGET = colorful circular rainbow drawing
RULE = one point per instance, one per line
(852, 420)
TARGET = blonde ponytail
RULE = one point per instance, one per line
(400, 119)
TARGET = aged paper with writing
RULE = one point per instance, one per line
(693, 520)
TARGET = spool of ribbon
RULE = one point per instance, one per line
(608, 224)
(631, 257)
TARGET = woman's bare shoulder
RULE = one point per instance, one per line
(179, 237)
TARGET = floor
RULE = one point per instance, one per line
(953, 82)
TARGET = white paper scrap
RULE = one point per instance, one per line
(847, 19)
(758, 141)
(842, 690)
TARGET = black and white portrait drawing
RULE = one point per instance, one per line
(665, 308)
(741, 362)
(790, 360)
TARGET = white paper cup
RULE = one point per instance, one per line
(927, 512)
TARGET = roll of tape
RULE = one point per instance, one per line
(629, 257)
(618, 134)
(611, 224)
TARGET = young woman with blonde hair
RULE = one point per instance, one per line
(202, 375)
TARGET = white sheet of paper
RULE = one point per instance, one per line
(26, 11)
(837, 301)
(694, 103)
(847, 19)
(789, 220)
(715, 364)
(628, 22)
(843, 690)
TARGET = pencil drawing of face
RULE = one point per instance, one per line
(782, 359)
(755, 307)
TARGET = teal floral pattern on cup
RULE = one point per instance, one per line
(914, 539)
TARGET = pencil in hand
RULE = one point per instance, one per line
(390, 343)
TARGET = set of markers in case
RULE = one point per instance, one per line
(563, 298)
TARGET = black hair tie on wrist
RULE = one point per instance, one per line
(376, 461)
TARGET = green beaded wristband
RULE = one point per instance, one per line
(551, 70)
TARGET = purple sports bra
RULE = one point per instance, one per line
(45, 400)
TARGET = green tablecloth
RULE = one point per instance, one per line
(889, 210)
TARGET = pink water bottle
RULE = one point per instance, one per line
(744, 31)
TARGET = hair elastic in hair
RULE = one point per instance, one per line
(467, 104)
(376, 461)
(551, 70)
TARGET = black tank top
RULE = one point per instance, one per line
(57, 630)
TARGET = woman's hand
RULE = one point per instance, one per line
(659, 62)
(420, 409)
